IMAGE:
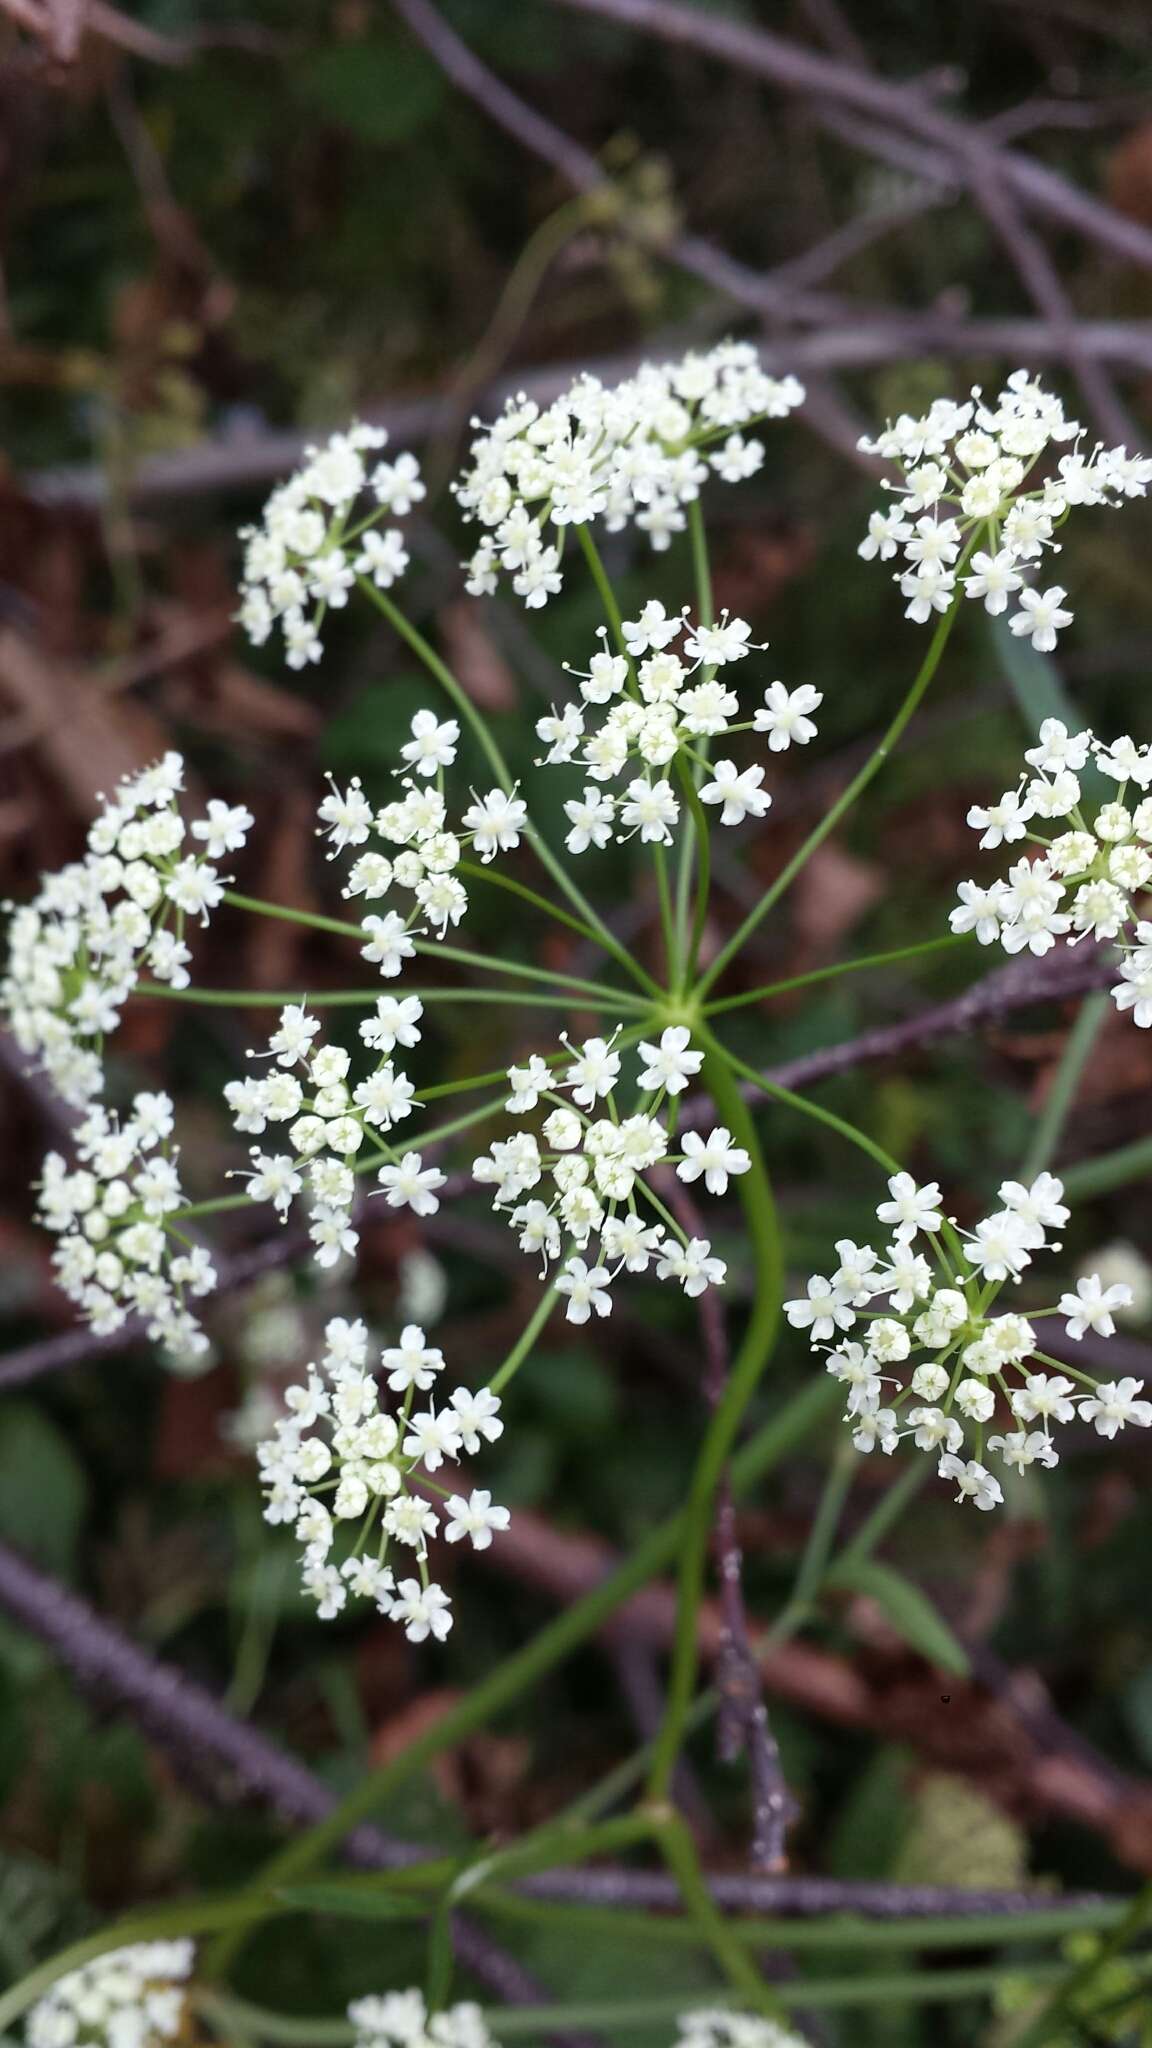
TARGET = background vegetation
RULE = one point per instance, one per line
(218, 231)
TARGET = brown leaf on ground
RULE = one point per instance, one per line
(86, 740)
(757, 564)
(832, 894)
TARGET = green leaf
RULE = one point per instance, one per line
(43, 1491)
(380, 90)
(1040, 693)
(912, 1615)
(363, 1903)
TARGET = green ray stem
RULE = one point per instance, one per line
(855, 788)
(720, 1435)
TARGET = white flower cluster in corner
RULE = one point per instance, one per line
(119, 1253)
(328, 1117)
(645, 708)
(400, 2019)
(592, 1169)
(76, 951)
(964, 475)
(1087, 878)
(130, 1998)
(420, 852)
(717, 2027)
(634, 454)
(304, 558)
(339, 1462)
(955, 1362)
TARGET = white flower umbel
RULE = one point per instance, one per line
(319, 533)
(343, 1468)
(119, 1251)
(644, 719)
(130, 1998)
(632, 455)
(718, 2027)
(982, 490)
(407, 854)
(1083, 869)
(590, 1209)
(77, 950)
(924, 1306)
(329, 1116)
(400, 2019)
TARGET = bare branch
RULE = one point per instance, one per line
(208, 1743)
(205, 1740)
(759, 53)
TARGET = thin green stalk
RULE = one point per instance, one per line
(701, 567)
(821, 1537)
(1062, 1093)
(695, 826)
(474, 717)
(524, 1342)
(528, 1665)
(1111, 1170)
(667, 923)
(434, 949)
(855, 788)
(837, 1931)
(679, 1852)
(695, 836)
(423, 649)
(815, 1111)
(612, 1001)
(835, 972)
(311, 920)
(887, 1512)
(479, 873)
(720, 1435)
(603, 582)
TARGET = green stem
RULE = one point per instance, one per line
(524, 1342)
(834, 973)
(821, 1537)
(835, 1930)
(720, 1435)
(855, 788)
(695, 826)
(815, 1111)
(887, 1512)
(1062, 1093)
(679, 1852)
(603, 582)
(701, 567)
(479, 873)
(667, 923)
(1111, 1170)
(434, 949)
(695, 836)
(355, 998)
